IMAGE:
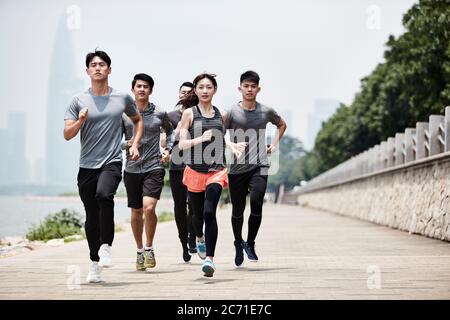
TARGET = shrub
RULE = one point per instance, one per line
(165, 216)
(56, 225)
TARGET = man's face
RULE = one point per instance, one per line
(184, 90)
(141, 90)
(249, 90)
(98, 70)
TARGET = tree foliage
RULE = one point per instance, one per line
(411, 84)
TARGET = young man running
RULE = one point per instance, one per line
(144, 178)
(97, 114)
(248, 173)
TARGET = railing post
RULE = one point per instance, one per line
(436, 132)
(409, 144)
(383, 155)
(399, 148)
(421, 140)
(447, 129)
(390, 151)
(376, 160)
(365, 159)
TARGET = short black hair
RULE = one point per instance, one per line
(187, 84)
(250, 76)
(98, 53)
(144, 77)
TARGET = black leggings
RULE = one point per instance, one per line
(183, 217)
(240, 185)
(97, 188)
(204, 206)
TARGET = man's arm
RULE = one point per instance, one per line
(281, 128)
(71, 127)
(137, 134)
(169, 138)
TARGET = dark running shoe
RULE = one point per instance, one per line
(249, 249)
(192, 248)
(239, 257)
(186, 255)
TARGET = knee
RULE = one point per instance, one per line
(256, 199)
(149, 211)
(209, 214)
(102, 195)
(136, 214)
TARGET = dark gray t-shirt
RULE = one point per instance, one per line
(178, 158)
(101, 134)
(150, 156)
(250, 126)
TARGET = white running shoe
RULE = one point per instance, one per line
(201, 248)
(105, 256)
(94, 274)
(208, 268)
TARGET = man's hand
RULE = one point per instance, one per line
(238, 148)
(134, 153)
(270, 148)
(165, 156)
(83, 114)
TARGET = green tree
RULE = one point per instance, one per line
(289, 173)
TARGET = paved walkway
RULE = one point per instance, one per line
(304, 254)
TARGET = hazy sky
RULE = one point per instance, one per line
(303, 50)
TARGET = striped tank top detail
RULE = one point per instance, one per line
(209, 156)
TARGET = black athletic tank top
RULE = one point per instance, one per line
(208, 156)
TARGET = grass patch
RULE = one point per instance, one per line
(118, 228)
(166, 216)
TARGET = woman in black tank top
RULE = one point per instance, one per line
(202, 134)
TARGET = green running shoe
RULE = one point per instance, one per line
(150, 261)
(140, 266)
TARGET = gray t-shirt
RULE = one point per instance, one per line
(155, 119)
(178, 158)
(101, 134)
(250, 126)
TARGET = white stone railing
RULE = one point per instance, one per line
(427, 139)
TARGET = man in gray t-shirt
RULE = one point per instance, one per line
(144, 179)
(247, 123)
(97, 115)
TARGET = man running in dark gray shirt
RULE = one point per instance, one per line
(247, 122)
(144, 178)
(97, 115)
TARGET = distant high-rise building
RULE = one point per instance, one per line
(61, 155)
(37, 172)
(323, 109)
(15, 146)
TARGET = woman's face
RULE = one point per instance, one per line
(205, 90)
